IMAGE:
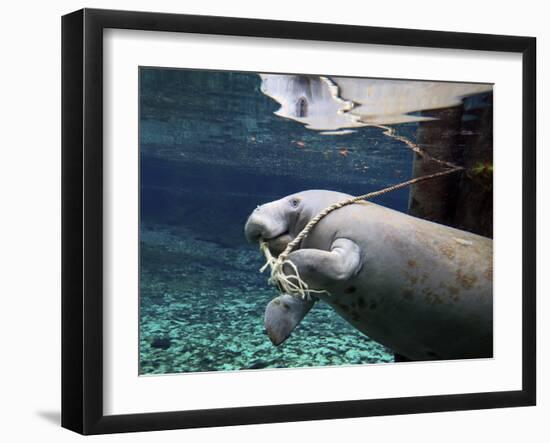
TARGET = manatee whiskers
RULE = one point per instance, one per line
(287, 283)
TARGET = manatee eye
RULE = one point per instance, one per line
(294, 202)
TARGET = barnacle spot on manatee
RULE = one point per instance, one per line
(453, 290)
(431, 297)
(467, 281)
(448, 251)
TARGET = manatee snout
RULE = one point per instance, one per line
(265, 223)
(258, 226)
(253, 229)
(262, 225)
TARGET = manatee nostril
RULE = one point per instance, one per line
(252, 232)
(256, 238)
(252, 237)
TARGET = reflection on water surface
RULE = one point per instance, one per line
(334, 103)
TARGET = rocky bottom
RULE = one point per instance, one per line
(201, 309)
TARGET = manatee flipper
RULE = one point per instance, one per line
(320, 268)
(283, 314)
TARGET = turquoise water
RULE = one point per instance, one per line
(211, 150)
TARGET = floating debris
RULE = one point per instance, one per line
(462, 242)
(342, 132)
(344, 152)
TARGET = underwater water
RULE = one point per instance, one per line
(211, 150)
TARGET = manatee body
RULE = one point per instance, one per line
(420, 288)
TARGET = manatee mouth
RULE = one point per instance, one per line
(274, 238)
(278, 243)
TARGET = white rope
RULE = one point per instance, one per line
(288, 283)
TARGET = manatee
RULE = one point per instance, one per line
(420, 288)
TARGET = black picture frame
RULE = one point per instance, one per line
(82, 218)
